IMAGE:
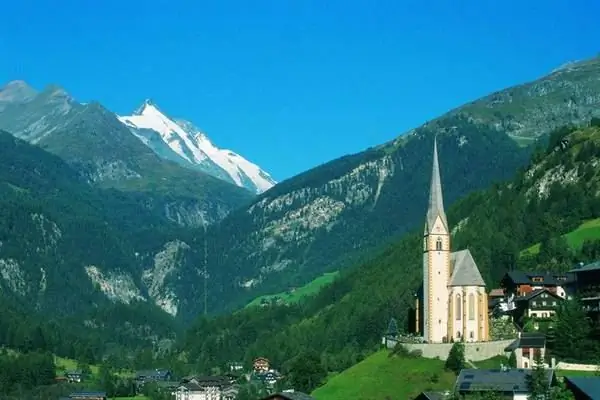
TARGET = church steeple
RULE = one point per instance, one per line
(436, 201)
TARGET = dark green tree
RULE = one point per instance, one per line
(456, 358)
(306, 371)
(537, 382)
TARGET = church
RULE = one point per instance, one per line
(452, 303)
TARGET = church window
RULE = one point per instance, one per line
(471, 334)
(471, 306)
(438, 244)
(458, 308)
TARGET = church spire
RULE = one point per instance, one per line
(436, 201)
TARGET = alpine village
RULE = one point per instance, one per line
(458, 260)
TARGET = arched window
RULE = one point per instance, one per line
(471, 306)
(438, 244)
(458, 307)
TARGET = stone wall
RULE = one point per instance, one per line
(473, 351)
(577, 367)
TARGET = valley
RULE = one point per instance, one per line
(126, 251)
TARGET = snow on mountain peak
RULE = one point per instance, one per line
(194, 148)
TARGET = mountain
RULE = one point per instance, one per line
(103, 150)
(182, 142)
(70, 249)
(343, 323)
(330, 216)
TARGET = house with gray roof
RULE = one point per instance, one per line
(526, 346)
(511, 383)
(584, 387)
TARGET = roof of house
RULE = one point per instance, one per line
(511, 380)
(434, 395)
(528, 340)
(76, 372)
(87, 394)
(153, 372)
(524, 278)
(464, 271)
(536, 293)
(290, 396)
(496, 292)
(590, 385)
(191, 386)
(587, 267)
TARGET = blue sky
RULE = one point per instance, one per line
(291, 84)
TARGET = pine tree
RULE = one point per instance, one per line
(538, 380)
(456, 358)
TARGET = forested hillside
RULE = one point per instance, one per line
(327, 218)
(344, 321)
(76, 255)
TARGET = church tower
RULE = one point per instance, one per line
(436, 262)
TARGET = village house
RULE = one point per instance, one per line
(261, 364)
(205, 388)
(584, 387)
(235, 366)
(74, 376)
(526, 346)
(153, 375)
(519, 283)
(587, 286)
(538, 304)
(495, 297)
(511, 383)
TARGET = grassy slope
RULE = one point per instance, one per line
(309, 289)
(589, 230)
(380, 376)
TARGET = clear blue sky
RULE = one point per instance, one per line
(291, 84)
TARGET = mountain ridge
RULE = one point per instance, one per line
(193, 148)
(93, 140)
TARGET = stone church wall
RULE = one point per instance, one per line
(473, 351)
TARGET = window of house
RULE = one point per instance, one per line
(543, 303)
(553, 303)
(458, 307)
(438, 244)
(471, 306)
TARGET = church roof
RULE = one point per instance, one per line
(464, 271)
(436, 201)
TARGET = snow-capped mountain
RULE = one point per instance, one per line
(182, 142)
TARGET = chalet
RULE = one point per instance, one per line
(268, 378)
(74, 376)
(512, 383)
(88, 396)
(153, 375)
(235, 366)
(261, 364)
(495, 296)
(289, 395)
(520, 283)
(526, 346)
(587, 285)
(208, 381)
(205, 388)
(584, 387)
(540, 303)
